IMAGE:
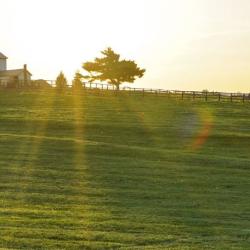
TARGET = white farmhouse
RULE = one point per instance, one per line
(14, 77)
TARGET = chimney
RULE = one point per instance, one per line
(25, 78)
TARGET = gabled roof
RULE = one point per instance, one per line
(2, 56)
(13, 72)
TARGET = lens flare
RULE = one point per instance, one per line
(207, 121)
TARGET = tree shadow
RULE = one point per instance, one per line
(139, 174)
(147, 180)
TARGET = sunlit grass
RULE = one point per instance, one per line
(121, 172)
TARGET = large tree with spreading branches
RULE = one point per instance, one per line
(111, 69)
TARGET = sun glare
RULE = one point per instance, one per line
(182, 44)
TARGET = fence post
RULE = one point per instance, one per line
(143, 92)
(231, 97)
(243, 98)
(219, 97)
(206, 96)
(193, 95)
(182, 95)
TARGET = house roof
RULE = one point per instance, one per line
(2, 56)
(13, 72)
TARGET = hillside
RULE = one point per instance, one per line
(123, 172)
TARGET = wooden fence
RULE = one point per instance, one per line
(179, 94)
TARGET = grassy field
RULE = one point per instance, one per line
(123, 172)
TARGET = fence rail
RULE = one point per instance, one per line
(178, 94)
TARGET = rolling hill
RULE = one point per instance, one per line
(123, 172)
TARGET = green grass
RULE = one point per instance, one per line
(123, 172)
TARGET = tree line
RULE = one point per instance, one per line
(108, 68)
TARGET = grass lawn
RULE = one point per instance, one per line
(123, 172)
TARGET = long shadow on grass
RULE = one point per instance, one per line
(108, 173)
(20, 132)
(24, 137)
(144, 181)
(63, 213)
(47, 198)
(57, 189)
(136, 191)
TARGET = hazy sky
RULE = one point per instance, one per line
(183, 44)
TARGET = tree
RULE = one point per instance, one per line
(61, 81)
(111, 69)
(77, 83)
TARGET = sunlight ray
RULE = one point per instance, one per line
(79, 160)
(28, 152)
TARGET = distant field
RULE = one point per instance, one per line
(123, 172)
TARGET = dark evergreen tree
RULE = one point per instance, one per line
(77, 83)
(61, 82)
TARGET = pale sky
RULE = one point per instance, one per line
(183, 44)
